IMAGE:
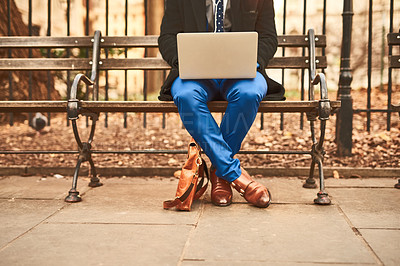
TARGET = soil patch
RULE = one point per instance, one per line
(377, 148)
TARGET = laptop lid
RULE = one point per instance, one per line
(227, 55)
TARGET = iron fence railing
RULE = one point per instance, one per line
(369, 109)
(344, 123)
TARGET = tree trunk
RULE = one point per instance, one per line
(42, 85)
(155, 12)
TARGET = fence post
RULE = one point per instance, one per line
(344, 122)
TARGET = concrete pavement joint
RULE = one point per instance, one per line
(378, 228)
(299, 203)
(280, 261)
(374, 187)
(33, 227)
(111, 223)
(274, 203)
(359, 235)
(41, 222)
(194, 259)
(17, 198)
(191, 233)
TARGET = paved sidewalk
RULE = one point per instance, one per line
(123, 223)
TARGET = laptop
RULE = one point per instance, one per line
(227, 55)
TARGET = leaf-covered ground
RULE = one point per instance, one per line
(377, 148)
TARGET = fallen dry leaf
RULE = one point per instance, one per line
(336, 174)
(378, 148)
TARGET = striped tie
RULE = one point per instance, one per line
(219, 13)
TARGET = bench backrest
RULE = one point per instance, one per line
(149, 63)
(98, 63)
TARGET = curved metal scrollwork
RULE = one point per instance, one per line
(323, 112)
(73, 111)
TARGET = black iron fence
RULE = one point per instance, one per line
(372, 62)
(140, 17)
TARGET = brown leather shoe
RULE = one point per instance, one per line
(221, 192)
(252, 191)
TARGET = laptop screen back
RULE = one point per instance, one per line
(228, 55)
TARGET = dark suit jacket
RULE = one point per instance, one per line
(246, 15)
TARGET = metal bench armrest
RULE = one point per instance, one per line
(324, 102)
(73, 102)
(315, 78)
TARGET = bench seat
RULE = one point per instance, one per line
(153, 106)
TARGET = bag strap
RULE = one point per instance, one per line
(200, 188)
(172, 203)
(199, 191)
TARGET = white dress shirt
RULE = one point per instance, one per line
(215, 3)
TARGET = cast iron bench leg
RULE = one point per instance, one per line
(85, 154)
(318, 157)
(73, 194)
(310, 182)
(317, 154)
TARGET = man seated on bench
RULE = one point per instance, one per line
(221, 143)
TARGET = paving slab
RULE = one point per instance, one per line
(258, 263)
(385, 243)
(360, 182)
(98, 244)
(36, 187)
(369, 207)
(18, 216)
(123, 223)
(130, 200)
(294, 233)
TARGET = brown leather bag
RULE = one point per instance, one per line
(190, 186)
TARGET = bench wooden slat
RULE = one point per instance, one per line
(296, 62)
(45, 42)
(133, 64)
(217, 106)
(151, 106)
(129, 63)
(33, 106)
(300, 41)
(394, 61)
(393, 38)
(158, 63)
(45, 64)
(151, 41)
(129, 41)
(125, 41)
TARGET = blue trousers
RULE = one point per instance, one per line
(220, 143)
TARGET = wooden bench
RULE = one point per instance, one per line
(394, 62)
(314, 108)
